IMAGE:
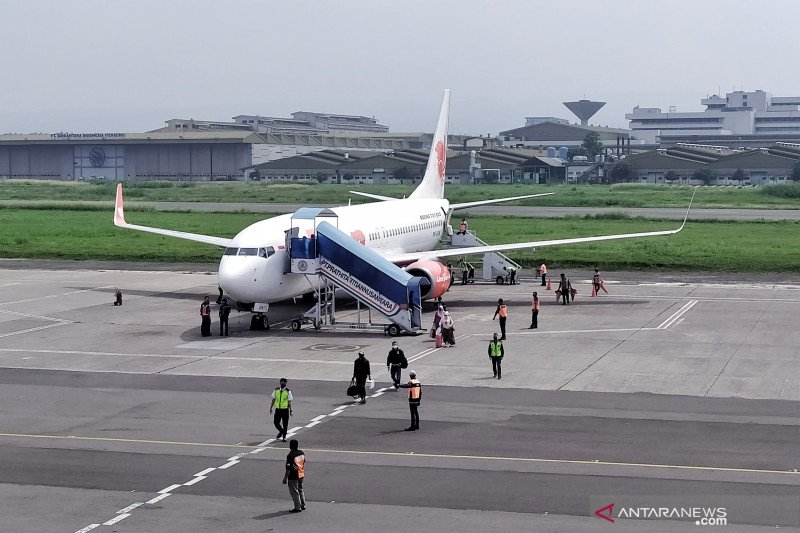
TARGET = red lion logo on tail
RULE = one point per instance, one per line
(441, 160)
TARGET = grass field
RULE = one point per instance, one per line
(708, 246)
(565, 195)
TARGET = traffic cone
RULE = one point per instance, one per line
(594, 290)
(549, 287)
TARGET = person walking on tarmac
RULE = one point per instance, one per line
(414, 398)
(534, 311)
(543, 272)
(564, 289)
(512, 274)
(448, 330)
(396, 362)
(496, 353)
(224, 313)
(597, 282)
(282, 402)
(205, 318)
(361, 373)
(117, 296)
(294, 475)
(502, 311)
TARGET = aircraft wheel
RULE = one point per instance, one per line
(393, 330)
(499, 280)
(296, 325)
(264, 322)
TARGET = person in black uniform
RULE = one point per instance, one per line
(361, 373)
(224, 313)
(205, 318)
(396, 362)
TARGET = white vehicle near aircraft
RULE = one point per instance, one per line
(254, 269)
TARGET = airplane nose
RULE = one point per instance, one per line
(237, 274)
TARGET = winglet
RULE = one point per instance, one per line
(119, 213)
(689, 208)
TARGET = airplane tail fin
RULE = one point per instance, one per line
(432, 185)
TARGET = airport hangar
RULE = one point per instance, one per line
(178, 156)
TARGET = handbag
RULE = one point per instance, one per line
(352, 390)
(370, 384)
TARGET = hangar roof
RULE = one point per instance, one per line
(131, 138)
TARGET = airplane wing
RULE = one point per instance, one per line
(473, 250)
(375, 196)
(119, 220)
(496, 201)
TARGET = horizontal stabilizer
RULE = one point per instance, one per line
(375, 196)
(455, 207)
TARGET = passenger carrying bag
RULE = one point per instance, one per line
(352, 390)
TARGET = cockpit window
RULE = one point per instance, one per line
(231, 251)
(248, 251)
(266, 252)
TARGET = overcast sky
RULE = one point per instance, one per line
(100, 66)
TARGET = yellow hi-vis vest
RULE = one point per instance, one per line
(281, 398)
(494, 348)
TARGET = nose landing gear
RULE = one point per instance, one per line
(259, 322)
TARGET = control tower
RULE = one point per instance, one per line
(584, 109)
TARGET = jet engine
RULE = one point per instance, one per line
(435, 272)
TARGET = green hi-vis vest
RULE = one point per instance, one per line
(495, 348)
(281, 398)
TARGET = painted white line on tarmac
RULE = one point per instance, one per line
(88, 528)
(677, 314)
(206, 471)
(158, 498)
(318, 418)
(227, 465)
(56, 295)
(130, 508)
(118, 518)
(39, 317)
(169, 489)
(196, 479)
(312, 424)
(48, 326)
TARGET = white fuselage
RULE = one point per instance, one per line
(255, 268)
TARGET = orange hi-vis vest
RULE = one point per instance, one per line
(534, 305)
(414, 390)
(299, 464)
(543, 269)
(503, 310)
(463, 227)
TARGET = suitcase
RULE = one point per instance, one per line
(439, 341)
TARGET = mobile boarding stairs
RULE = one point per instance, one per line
(333, 260)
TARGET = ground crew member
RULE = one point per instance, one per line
(395, 363)
(597, 282)
(361, 373)
(463, 227)
(502, 311)
(294, 475)
(534, 311)
(496, 353)
(543, 272)
(282, 402)
(205, 318)
(117, 296)
(512, 274)
(564, 289)
(224, 313)
(414, 398)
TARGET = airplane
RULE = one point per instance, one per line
(254, 268)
